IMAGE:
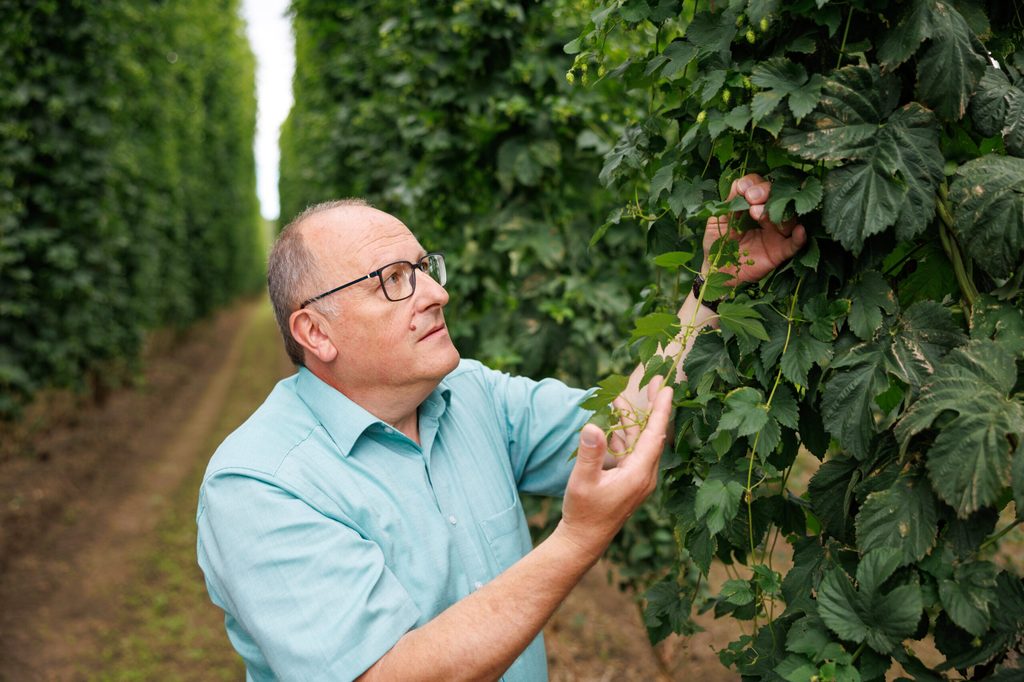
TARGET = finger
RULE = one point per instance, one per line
(647, 449)
(796, 241)
(786, 228)
(652, 388)
(743, 184)
(590, 456)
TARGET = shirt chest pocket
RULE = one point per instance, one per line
(507, 535)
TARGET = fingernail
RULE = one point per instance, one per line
(743, 184)
(757, 194)
(588, 439)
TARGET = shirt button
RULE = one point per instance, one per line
(477, 585)
(452, 520)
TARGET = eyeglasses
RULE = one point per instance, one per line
(398, 279)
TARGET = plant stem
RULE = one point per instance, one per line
(992, 539)
(961, 268)
(846, 33)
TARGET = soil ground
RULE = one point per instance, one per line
(98, 578)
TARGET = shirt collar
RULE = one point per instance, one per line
(344, 420)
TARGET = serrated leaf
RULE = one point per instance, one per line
(805, 193)
(742, 320)
(779, 78)
(903, 39)
(804, 351)
(949, 69)
(860, 201)
(709, 354)
(737, 592)
(969, 460)
(988, 201)
(803, 100)
(989, 103)
(744, 411)
(854, 102)
(918, 340)
(898, 163)
(1013, 129)
(717, 503)
(661, 326)
(608, 389)
(689, 195)
(895, 185)
(629, 149)
(796, 669)
(802, 579)
(903, 517)
(679, 54)
(738, 117)
(673, 260)
(848, 400)
(809, 636)
(784, 407)
(866, 614)
(666, 609)
(831, 493)
(870, 296)
(662, 182)
(712, 32)
(968, 596)
(766, 440)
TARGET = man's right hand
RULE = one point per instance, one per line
(598, 501)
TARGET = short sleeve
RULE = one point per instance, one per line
(543, 419)
(307, 596)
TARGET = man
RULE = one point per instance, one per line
(365, 521)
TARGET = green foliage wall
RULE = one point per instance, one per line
(457, 118)
(891, 348)
(127, 180)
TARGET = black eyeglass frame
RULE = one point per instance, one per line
(378, 274)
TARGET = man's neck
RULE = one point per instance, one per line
(397, 407)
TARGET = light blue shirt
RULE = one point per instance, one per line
(325, 534)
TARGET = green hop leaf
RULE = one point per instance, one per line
(903, 517)
(969, 460)
(865, 613)
(969, 594)
(988, 201)
(745, 411)
(897, 161)
(849, 399)
(870, 296)
(805, 194)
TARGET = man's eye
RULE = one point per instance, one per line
(393, 278)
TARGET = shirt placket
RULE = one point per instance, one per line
(454, 507)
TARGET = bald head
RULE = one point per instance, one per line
(294, 269)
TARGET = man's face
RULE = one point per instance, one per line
(381, 343)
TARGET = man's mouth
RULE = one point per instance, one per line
(433, 331)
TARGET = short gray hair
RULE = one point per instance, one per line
(291, 268)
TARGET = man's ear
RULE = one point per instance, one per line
(309, 329)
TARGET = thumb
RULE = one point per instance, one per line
(590, 457)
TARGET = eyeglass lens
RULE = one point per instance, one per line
(399, 279)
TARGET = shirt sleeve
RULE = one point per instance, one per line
(311, 598)
(543, 419)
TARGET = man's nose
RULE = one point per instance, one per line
(429, 292)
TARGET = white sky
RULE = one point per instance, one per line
(270, 35)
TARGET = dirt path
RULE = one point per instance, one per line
(98, 494)
(97, 571)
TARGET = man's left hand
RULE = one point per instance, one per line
(768, 245)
